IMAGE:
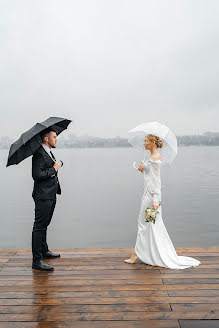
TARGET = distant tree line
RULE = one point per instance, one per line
(207, 138)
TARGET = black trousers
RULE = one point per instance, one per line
(44, 209)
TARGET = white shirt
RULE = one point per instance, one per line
(47, 149)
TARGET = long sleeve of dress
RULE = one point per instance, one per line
(155, 185)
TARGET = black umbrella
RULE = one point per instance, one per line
(31, 140)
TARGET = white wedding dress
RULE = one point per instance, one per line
(153, 244)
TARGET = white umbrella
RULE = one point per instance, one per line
(137, 135)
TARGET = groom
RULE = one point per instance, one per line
(46, 186)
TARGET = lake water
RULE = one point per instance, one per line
(101, 194)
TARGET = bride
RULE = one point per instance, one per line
(153, 245)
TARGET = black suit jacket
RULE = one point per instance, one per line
(45, 176)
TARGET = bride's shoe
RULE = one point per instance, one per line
(132, 259)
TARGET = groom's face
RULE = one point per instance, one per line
(51, 139)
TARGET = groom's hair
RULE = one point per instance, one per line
(45, 132)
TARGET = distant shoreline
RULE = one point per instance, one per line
(113, 147)
(73, 141)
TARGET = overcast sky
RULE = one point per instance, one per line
(109, 65)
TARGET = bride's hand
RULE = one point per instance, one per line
(155, 205)
(140, 166)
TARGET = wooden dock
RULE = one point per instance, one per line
(94, 288)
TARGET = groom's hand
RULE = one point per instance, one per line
(57, 165)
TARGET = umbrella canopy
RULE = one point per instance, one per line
(30, 140)
(137, 135)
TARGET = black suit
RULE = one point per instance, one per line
(46, 186)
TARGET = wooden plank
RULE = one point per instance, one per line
(189, 249)
(85, 267)
(94, 300)
(193, 281)
(190, 275)
(110, 300)
(86, 282)
(202, 266)
(122, 316)
(107, 277)
(99, 264)
(39, 287)
(194, 307)
(56, 273)
(103, 273)
(81, 262)
(94, 258)
(190, 270)
(93, 255)
(29, 272)
(105, 293)
(205, 254)
(71, 260)
(194, 292)
(94, 324)
(85, 308)
(117, 263)
(141, 277)
(120, 249)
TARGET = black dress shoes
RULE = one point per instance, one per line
(41, 265)
(50, 255)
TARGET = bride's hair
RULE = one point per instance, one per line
(156, 139)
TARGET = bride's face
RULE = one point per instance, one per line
(147, 144)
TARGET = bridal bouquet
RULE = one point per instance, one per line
(150, 214)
